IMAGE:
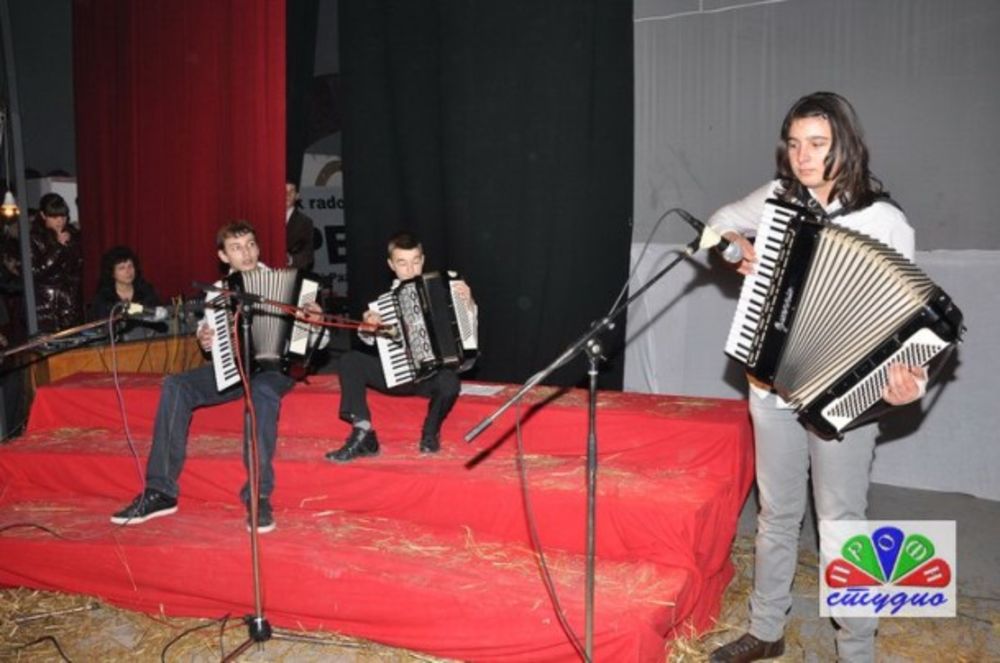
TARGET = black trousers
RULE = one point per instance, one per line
(359, 370)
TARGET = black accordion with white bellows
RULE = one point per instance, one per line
(825, 313)
(274, 334)
(436, 329)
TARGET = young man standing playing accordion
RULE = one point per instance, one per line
(360, 370)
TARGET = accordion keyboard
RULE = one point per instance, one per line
(393, 353)
(743, 338)
(223, 357)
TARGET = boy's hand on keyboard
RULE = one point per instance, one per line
(371, 320)
(205, 335)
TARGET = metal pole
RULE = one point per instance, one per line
(17, 166)
(594, 357)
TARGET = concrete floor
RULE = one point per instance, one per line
(976, 568)
(977, 525)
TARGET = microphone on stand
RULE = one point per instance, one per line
(708, 238)
(147, 313)
(245, 297)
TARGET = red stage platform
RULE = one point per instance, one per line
(425, 552)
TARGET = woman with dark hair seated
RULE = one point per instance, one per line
(121, 282)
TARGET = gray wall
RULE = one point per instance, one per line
(712, 85)
(924, 75)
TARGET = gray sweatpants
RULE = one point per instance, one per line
(785, 451)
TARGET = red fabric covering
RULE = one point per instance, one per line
(423, 552)
(180, 116)
(637, 429)
(381, 579)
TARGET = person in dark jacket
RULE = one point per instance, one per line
(57, 262)
(121, 282)
(298, 232)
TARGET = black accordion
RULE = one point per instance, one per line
(437, 329)
(825, 313)
(274, 334)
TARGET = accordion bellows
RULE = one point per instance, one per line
(825, 314)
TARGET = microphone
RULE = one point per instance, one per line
(708, 238)
(147, 313)
(239, 295)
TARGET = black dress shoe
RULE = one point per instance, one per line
(359, 443)
(430, 444)
(747, 648)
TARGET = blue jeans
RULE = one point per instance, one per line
(785, 453)
(185, 392)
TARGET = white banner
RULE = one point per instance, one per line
(325, 206)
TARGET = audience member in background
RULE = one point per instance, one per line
(121, 282)
(57, 264)
(298, 232)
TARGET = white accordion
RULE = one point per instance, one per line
(275, 335)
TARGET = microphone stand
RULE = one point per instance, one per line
(258, 628)
(589, 343)
(55, 336)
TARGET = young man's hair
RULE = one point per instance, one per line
(233, 229)
(853, 185)
(405, 241)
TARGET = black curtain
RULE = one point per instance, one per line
(501, 133)
(300, 55)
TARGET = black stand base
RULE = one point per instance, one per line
(259, 630)
(258, 627)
